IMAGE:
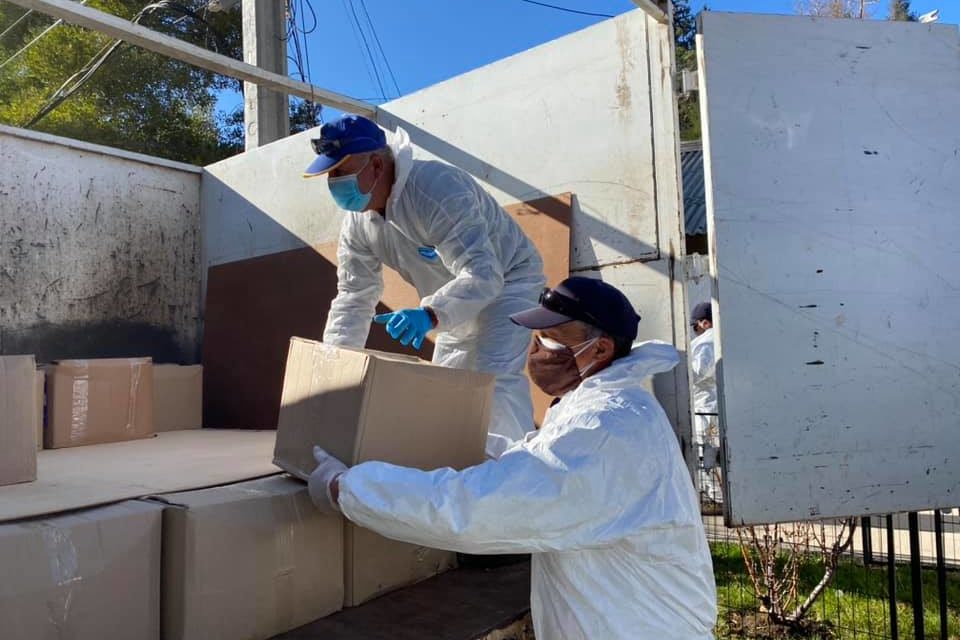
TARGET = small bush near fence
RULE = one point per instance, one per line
(854, 606)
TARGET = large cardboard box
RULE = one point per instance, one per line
(177, 397)
(41, 377)
(89, 575)
(98, 401)
(248, 561)
(364, 405)
(18, 451)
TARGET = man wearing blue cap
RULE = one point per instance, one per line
(600, 495)
(706, 433)
(468, 259)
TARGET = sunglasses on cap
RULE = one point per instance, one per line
(559, 303)
(328, 147)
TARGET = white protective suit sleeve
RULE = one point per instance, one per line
(557, 491)
(450, 212)
(359, 287)
(702, 361)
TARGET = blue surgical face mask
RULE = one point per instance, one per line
(346, 191)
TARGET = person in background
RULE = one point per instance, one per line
(470, 262)
(599, 495)
(706, 433)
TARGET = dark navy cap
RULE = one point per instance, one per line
(702, 311)
(588, 300)
(342, 138)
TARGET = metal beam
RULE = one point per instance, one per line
(74, 13)
(651, 9)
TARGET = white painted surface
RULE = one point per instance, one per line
(93, 236)
(833, 187)
(97, 149)
(591, 113)
(570, 115)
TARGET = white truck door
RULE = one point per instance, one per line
(833, 193)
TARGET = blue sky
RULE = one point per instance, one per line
(426, 41)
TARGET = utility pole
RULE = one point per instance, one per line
(265, 114)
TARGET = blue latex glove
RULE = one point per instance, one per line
(409, 326)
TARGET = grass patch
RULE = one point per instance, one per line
(854, 606)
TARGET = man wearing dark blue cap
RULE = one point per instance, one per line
(706, 433)
(470, 262)
(600, 495)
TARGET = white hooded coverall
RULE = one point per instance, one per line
(469, 261)
(706, 433)
(600, 496)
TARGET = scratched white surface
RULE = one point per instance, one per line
(834, 205)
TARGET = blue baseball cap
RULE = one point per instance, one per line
(587, 300)
(342, 138)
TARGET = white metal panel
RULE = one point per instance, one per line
(99, 251)
(833, 187)
(570, 115)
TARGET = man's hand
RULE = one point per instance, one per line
(409, 326)
(323, 478)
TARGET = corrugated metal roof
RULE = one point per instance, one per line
(694, 196)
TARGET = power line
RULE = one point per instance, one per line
(18, 21)
(78, 79)
(373, 30)
(363, 36)
(306, 49)
(577, 11)
(313, 16)
(366, 61)
(35, 40)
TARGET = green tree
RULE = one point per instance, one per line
(900, 10)
(684, 35)
(836, 8)
(136, 100)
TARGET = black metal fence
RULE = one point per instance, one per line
(898, 577)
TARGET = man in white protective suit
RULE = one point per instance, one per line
(600, 495)
(470, 262)
(706, 433)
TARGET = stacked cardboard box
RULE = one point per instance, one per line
(18, 452)
(363, 405)
(177, 397)
(248, 561)
(88, 575)
(98, 401)
(40, 401)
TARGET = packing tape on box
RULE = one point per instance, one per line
(320, 373)
(80, 401)
(64, 570)
(136, 371)
(285, 564)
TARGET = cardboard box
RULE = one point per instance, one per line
(248, 561)
(98, 401)
(88, 575)
(18, 451)
(177, 397)
(40, 398)
(364, 405)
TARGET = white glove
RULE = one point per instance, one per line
(328, 469)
